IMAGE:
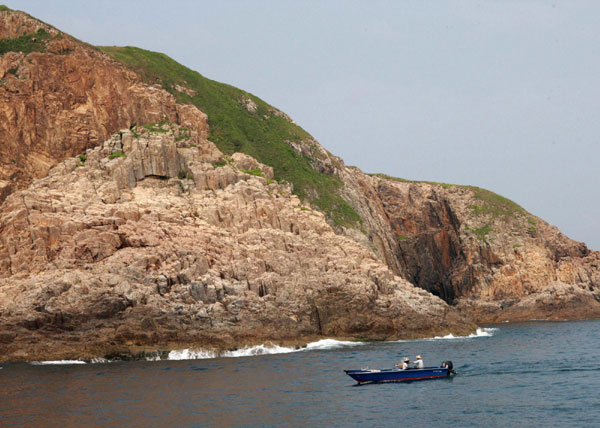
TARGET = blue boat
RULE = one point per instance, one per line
(399, 375)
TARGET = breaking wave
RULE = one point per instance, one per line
(68, 362)
(481, 332)
(265, 349)
(331, 344)
(189, 354)
(58, 362)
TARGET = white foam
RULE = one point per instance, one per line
(156, 357)
(331, 344)
(485, 332)
(188, 354)
(264, 349)
(270, 348)
(58, 362)
(98, 360)
(259, 350)
(200, 354)
(480, 332)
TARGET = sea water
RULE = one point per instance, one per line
(544, 374)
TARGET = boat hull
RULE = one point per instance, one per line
(396, 375)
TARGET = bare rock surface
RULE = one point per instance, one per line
(56, 103)
(471, 247)
(158, 242)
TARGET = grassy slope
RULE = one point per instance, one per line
(491, 203)
(234, 129)
(34, 42)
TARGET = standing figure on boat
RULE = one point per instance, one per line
(419, 362)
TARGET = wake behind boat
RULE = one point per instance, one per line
(399, 375)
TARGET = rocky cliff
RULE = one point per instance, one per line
(156, 238)
(475, 249)
(59, 96)
(155, 241)
(483, 253)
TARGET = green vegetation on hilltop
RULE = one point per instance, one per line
(258, 131)
(404, 180)
(491, 203)
(32, 42)
(494, 204)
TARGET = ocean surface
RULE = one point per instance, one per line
(535, 374)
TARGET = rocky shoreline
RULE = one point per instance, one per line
(152, 238)
(164, 242)
(183, 351)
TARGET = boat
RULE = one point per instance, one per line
(399, 375)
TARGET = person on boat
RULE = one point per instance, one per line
(419, 362)
(404, 364)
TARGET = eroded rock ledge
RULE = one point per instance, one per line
(156, 241)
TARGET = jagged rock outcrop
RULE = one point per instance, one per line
(473, 248)
(66, 97)
(159, 242)
(486, 254)
(153, 239)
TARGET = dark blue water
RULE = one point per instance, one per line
(525, 375)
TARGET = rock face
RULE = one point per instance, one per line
(471, 247)
(487, 255)
(68, 97)
(151, 239)
(158, 242)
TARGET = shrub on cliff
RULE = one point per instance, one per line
(33, 42)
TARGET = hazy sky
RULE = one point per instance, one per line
(501, 94)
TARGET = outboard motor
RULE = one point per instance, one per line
(448, 365)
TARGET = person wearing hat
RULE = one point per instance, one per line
(419, 362)
(404, 364)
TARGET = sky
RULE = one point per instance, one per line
(500, 94)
